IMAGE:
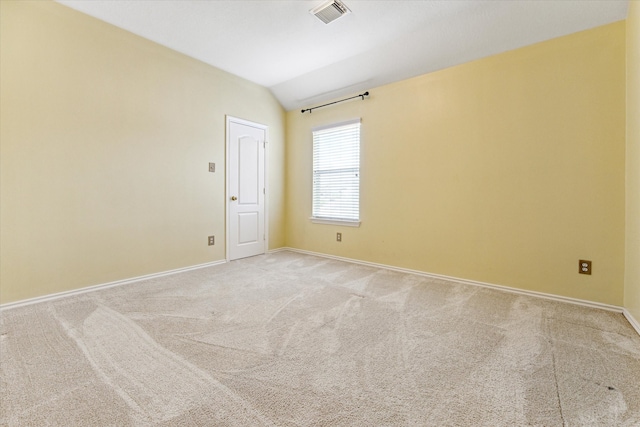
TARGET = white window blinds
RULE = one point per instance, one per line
(336, 172)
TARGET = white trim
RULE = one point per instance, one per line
(93, 288)
(553, 297)
(632, 320)
(228, 120)
(266, 189)
(337, 125)
(276, 250)
(344, 222)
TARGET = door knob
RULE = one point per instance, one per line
(234, 198)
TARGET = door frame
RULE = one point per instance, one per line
(228, 120)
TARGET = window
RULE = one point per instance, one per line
(336, 174)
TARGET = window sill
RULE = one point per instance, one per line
(343, 222)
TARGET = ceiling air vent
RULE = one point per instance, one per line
(330, 11)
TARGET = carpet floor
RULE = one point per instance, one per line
(287, 339)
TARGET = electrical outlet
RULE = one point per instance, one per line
(212, 167)
(339, 237)
(211, 240)
(584, 267)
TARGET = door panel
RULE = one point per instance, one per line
(248, 227)
(246, 195)
(248, 182)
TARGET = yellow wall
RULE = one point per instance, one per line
(105, 142)
(632, 265)
(505, 170)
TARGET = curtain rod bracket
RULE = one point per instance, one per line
(362, 95)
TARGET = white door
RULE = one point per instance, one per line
(246, 233)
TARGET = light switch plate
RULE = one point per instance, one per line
(212, 167)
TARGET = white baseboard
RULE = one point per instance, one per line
(632, 320)
(634, 323)
(276, 250)
(552, 297)
(58, 295)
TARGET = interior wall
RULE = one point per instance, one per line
(632, 265)
(105, 141)
(505, 170)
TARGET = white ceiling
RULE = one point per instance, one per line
(280, 45)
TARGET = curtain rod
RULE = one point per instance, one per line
(362, 95)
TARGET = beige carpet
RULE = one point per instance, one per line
(295, 340)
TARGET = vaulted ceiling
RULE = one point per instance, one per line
(279, 44)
